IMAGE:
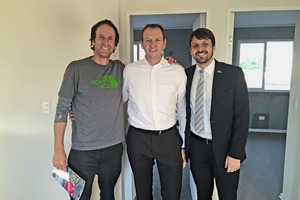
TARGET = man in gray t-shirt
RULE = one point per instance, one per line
(92, 88)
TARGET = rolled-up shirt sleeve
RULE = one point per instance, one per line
(62, 109)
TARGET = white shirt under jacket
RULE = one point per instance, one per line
(208, 83)
(156, 95)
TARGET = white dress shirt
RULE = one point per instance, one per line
(208, 82)
(156, 95)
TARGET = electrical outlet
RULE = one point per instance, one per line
(46, 107)
(261, 118)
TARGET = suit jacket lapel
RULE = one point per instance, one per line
(217, 82)
(190, 74)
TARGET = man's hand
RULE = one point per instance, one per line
(59, 160)
(232, 164)
(183, 158)
(171, 60)
(71, 115)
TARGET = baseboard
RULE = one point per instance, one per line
(263, 130)
(281, 197)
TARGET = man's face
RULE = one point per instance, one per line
(104, 41)
(202, 51)
(153, 43)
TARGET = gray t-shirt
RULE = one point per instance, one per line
(97, 103)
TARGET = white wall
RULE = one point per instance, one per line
(37, 41)
(291, 178)
(217, 15)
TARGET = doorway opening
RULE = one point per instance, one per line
(178, 27)
(258, 37)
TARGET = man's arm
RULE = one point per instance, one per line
(181, 114)
(240, 124)
(60, 123)
(181, 106)
(59, 157)
(125, 86)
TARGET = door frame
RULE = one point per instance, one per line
(228, 58)
(128, 191)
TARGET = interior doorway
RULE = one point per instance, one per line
(178, 27)
(269, 102)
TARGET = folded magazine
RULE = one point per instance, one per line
(70, 181)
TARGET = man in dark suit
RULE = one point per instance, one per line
(216, 130)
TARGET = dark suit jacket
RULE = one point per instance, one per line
(229, 117)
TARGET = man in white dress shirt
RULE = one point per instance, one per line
(155, 91)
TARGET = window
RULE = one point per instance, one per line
(267, 64)
(138, 52)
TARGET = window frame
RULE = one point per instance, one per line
(265, 41)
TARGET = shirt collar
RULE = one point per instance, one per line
(162, 62)
(209, 69)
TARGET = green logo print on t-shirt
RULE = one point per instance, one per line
(105, 82)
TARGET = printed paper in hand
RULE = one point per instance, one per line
(70, 181)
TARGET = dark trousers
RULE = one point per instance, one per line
(204, 170)
(106, 163)
(143, 148)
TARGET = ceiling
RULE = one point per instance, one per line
(242, 19)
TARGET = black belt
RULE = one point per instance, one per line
(153, 132)
(207, 141)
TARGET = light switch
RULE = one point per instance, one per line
(295, 103)
(46, 107)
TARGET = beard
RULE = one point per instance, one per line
(203, 58)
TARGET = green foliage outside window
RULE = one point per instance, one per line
(251, 64)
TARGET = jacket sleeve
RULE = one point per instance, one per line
(240, 124)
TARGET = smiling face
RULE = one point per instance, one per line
(104, 42)
(202, 51)
(153, 43)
